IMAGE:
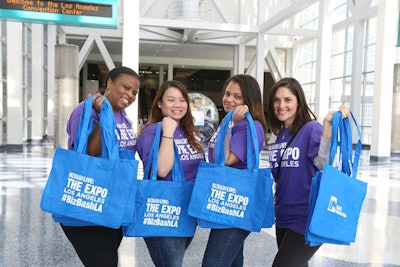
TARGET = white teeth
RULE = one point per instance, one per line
(125, 101)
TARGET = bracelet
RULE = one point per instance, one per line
(167, 137)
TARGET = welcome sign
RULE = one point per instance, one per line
(88, 13)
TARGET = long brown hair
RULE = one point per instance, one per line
(303, 113)
(252, 96)
(186, 123)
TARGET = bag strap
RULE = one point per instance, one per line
(219, 156)
(109, 140)
(350, 163)
(283, 154)
(341, 132)
(336, 119)
(151, 168)
(85, 127)
(253, 155)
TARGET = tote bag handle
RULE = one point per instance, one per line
(85, 127)
(151, 167)
(341, 132)
(253, 157)
(109, 140)
(350, 162)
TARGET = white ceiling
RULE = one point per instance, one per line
(195, 42)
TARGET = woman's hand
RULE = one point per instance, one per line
(240, 113)
(98, 99)
(326, 134)
(169, 126)
(345, 111)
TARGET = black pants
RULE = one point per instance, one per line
(292, 249)
(96, 246)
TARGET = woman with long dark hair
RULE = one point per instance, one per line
(300, 149)
(241, 94)
(171, 107)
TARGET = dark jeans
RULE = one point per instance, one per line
(292, 249)
(225, 247)
(96, 246)
(167, 251)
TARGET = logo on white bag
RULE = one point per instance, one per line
(335, 208)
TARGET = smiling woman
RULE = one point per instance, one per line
(122, 85)
(171, 108)
(301, 148)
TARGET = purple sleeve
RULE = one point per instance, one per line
(315, 130)
(239, 141)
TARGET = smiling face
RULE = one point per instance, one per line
(232, 97)
(173, 104)
(285, 106)
(122, 91)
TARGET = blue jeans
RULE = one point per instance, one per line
(225, 248)
(167, 251)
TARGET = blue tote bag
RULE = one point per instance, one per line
(226, 197)
(336, 194)
(161, 206)
(130, 206)
(83, 190)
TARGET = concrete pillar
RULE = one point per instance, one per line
(67, 89)
(161, 76)
(324, 59)
(395, 144)
(260, 61)
(14, 85)
(130, 49)
(37, 83)
(2, 100)
(170, 71)
(238, 59)
(51, 87)
(356, 70)
(386, 34)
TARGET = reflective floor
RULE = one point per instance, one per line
(29, 237)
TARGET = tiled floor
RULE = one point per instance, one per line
(29, 237)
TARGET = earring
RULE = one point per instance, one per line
(107, 92)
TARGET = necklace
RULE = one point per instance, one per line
(283, 131)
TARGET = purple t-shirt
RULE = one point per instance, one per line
(297, 170)
(238, 142)
(190, 158)
(126, 135)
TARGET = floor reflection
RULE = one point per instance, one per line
(29, 237)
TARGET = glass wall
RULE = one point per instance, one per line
(307, 53)
(45, 82)
(27, 80)
(367, 90)
(341, 63)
